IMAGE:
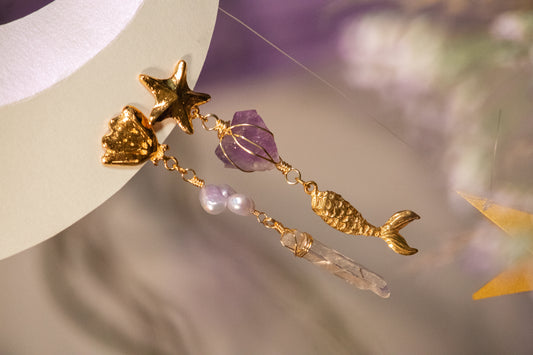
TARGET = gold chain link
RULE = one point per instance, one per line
(171, 164)
(269, 222)
(220, 126)
(287, 170)
(301, 246)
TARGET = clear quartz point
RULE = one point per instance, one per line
(334, 262)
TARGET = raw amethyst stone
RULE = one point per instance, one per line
(251, 147)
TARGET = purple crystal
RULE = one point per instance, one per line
(251, 147)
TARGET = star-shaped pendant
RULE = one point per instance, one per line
(517, 224)
(174, 98)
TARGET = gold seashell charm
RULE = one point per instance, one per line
(341, 215)
(132, 140)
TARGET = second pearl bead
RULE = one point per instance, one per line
(240, 204)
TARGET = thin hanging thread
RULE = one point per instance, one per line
(295, 61)
(311, 72)
(495, 150)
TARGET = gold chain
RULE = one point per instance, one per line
(269, 222)
(301, 248)
(188, 175)
(294, 176)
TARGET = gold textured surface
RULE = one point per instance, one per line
(341, 215)
(131, 141)
(174, 99)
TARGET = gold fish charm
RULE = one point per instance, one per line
(341, 215)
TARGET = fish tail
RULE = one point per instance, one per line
(389, 232)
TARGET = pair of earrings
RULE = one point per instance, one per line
(246, 144)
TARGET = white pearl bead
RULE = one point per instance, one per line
(226, 190)
(212, 199)
(240, 204)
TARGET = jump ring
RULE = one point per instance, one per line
(297, 178)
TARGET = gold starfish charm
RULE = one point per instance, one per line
(517, 224)
(174, 98)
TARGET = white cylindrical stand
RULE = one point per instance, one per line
(50, 172)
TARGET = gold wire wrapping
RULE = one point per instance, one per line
(220, 126)
(301, 246)
(284, 167)
(225, 129)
